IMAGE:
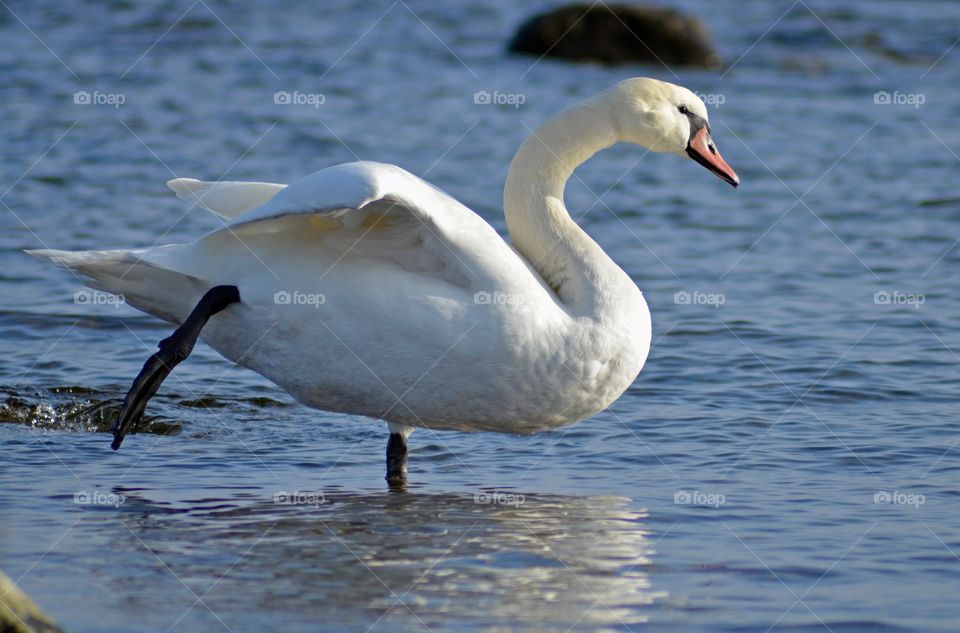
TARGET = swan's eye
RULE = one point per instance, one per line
(683, 110)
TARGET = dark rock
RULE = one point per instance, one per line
(618, 34)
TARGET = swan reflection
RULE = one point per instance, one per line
(402, 561)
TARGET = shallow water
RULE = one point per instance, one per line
(786, 460)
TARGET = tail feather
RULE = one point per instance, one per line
(164, 293)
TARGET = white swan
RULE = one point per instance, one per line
(363, 289)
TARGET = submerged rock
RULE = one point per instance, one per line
(618, 34)
(19, 614)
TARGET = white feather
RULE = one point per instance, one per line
(226, 199)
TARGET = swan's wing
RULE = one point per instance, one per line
(226, 199)
(381, 212)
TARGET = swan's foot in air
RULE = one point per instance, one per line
(173, 350)
(397, 453)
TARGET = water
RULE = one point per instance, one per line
(732, 488)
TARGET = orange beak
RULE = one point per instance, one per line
(702, 149)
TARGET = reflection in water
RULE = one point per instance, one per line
(400, 560)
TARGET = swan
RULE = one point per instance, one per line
(365, 290)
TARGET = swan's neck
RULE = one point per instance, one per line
(583, 276)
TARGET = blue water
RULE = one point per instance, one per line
(787, 460)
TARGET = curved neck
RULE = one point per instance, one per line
(541, 229)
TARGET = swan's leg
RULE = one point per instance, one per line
(173, 350)
(396, 457)
(397, 452)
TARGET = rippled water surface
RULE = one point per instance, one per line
(786, 460)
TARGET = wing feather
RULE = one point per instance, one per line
(381, 211)
(226, 199)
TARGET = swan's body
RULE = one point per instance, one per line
(365, 290)
(401, 317)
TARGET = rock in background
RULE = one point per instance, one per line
(618, 34)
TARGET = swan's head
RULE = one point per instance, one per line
(666, 118)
